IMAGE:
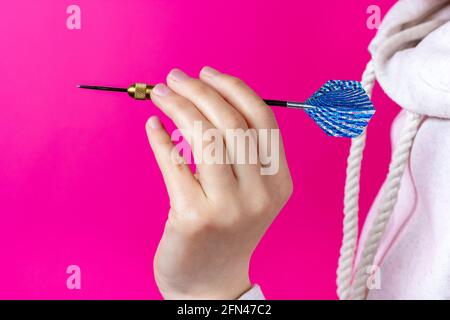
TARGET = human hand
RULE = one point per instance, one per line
(217, 216)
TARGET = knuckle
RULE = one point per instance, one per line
(199, 89)
(235, 83)
(230, 221)
(281, 197)
(266, 115)
(156, 138)
(289, 188)
(162, 140)
(177, 103)
(235, 121)
(228, 214)
(262, 202)
(286, 189)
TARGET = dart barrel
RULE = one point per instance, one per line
(140, 91)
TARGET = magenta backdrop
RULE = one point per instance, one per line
(78, 182)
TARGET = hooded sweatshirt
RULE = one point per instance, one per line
(411, 55)
(411, 62)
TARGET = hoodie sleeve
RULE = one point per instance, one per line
(254, 293)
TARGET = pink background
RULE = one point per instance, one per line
(78, 182)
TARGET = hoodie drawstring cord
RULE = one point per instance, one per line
(351, 207)
(389, 196)
(346, 289)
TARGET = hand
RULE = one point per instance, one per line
(217, 216)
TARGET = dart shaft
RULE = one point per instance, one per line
(141, 91)
(341, 108)
(276, 103)
(103, 88)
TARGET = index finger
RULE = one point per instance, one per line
(257, 114)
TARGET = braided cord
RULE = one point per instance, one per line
(351, 207)
(388, 201)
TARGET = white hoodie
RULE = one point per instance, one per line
(411, 248)
(412, 64)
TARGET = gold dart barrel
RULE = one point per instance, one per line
(140, 91)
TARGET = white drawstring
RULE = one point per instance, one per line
(358, 289)
(350, 223)
(389, 198)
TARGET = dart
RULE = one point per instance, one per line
(341, 108)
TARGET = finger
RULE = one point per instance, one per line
(211, 104)
(194, 127)
(257, 114)
(241, 144)
(180, 182)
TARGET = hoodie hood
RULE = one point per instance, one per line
(411, 55)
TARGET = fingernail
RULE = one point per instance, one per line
(161, 89)
(178, 75)
(209, 72)
(154, 123)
